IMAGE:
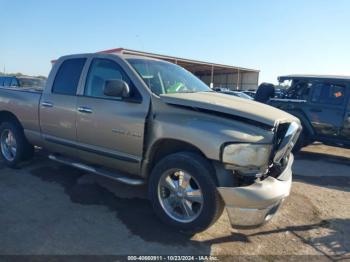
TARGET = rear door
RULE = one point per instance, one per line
(58, 106)
(326, 108)
(110, 131)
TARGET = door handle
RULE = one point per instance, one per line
(46, 104)
(83, 109)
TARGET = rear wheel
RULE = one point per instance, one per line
(13, 144)
(183, 192)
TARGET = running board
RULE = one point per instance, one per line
(98, 171)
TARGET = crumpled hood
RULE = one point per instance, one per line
(230, 105)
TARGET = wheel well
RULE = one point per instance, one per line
(309, 132)
(6, 116)
(169, 146)
(166, 147)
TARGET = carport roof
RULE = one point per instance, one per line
(324, 77)
(196, 66)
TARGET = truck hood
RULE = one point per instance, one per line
(239, 107)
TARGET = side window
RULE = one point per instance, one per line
(316, 94)
(1, 81)
(14, 82)
(67, 77)
(102, 70)
(328, 93)
(302, 90)
(7, 81)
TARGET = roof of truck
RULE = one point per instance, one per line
(126, 56)
(323, 77)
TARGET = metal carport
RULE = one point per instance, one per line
(214, 75)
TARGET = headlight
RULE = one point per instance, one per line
(247, 155)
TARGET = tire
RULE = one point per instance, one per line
(23, 150)
(202, 180)
(301, 142)
(265, 92)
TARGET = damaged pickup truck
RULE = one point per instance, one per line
(144, 121)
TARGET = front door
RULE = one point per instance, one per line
(110, 130)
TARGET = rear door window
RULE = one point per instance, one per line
(68, 76)
(328, 93)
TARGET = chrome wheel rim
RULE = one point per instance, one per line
(8, 145)
(180, 196)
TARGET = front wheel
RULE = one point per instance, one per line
(301, 142)
(183, 192)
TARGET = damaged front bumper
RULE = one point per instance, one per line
(254, 205)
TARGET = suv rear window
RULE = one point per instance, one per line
(67, 77)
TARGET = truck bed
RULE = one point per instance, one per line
(24, 104)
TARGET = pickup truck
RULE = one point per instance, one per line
(144, 121)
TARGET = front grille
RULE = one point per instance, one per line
(285, 138)
(280, 133)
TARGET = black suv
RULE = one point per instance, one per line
(321, 103)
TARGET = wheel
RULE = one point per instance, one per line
(13, 144)
(183, 192)
(265, 92)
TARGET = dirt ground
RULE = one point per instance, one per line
(47, 208)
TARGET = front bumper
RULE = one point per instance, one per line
(253, 205)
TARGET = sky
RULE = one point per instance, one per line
(276, 37)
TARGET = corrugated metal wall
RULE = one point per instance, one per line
(247, 80)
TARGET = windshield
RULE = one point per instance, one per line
(294, 89)
(285, 84)
(31, 82)
(166, 78)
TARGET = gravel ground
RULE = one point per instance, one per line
(46, 208)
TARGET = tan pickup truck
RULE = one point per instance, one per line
(139, 120)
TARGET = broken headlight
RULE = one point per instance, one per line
(247, 155)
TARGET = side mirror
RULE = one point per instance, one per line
(116, 88)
